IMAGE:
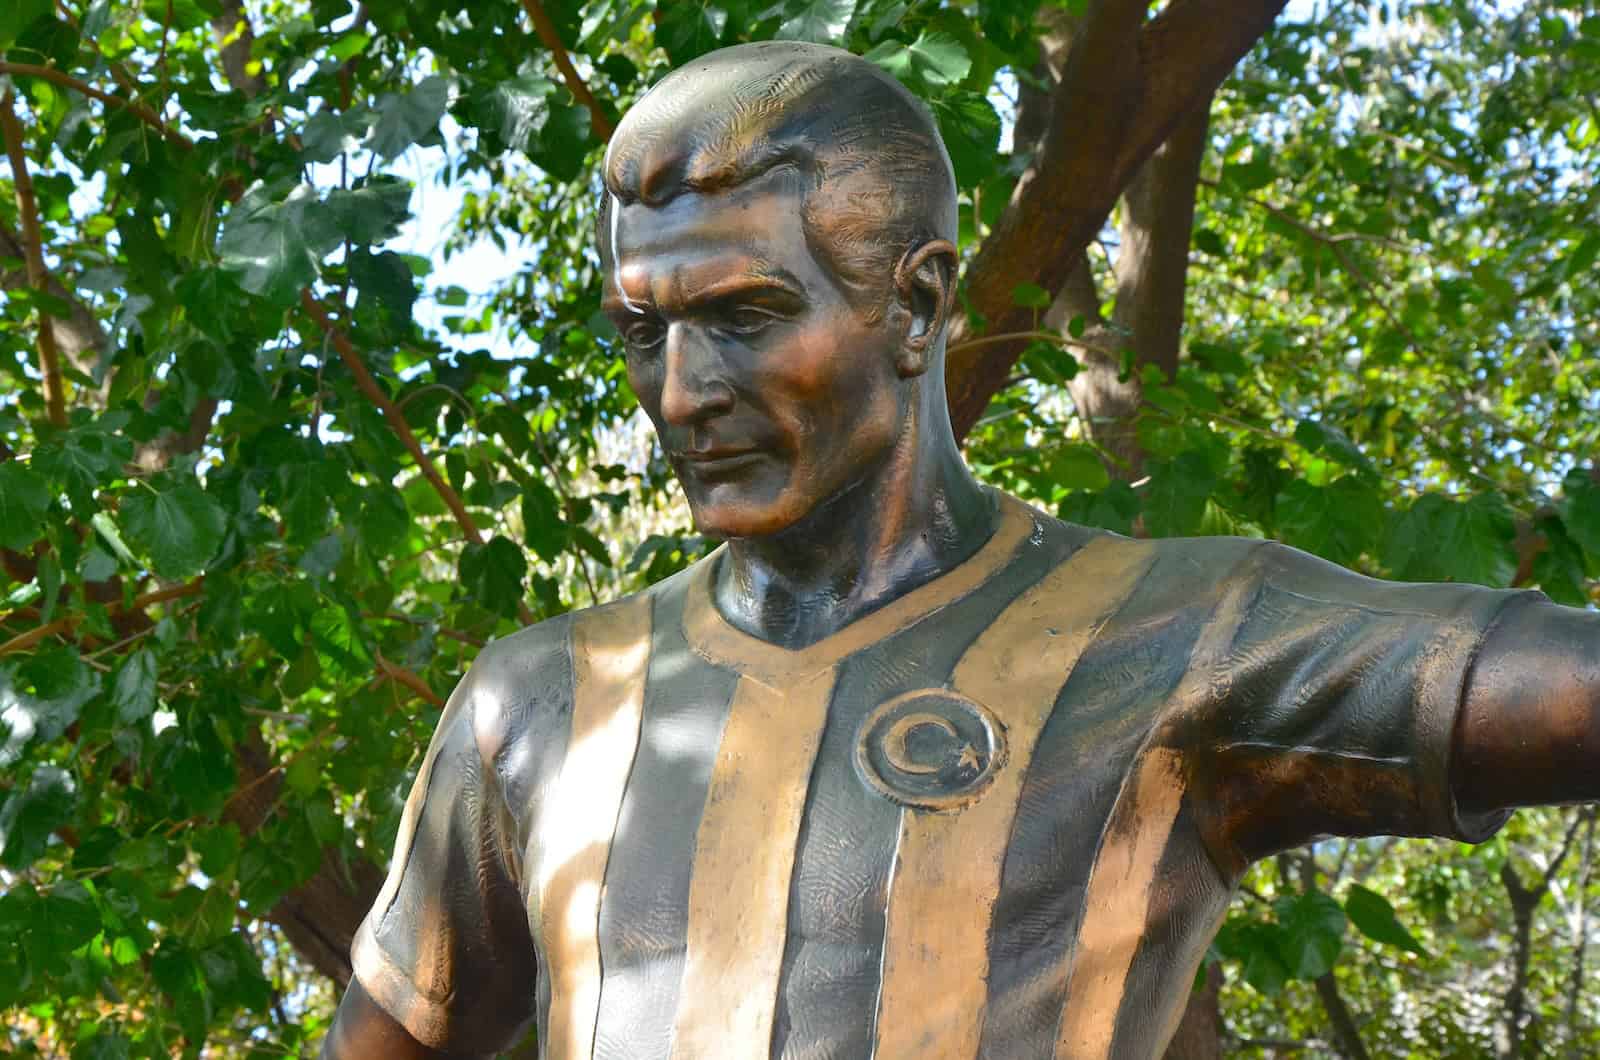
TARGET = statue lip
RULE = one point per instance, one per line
(718, 454)
(721, 460)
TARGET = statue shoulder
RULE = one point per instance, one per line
(522, 685)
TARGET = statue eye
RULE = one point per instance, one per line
(644, 335)
(748, 320)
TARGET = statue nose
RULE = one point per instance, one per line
(693, 390)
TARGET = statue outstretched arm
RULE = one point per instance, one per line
(1529, 730)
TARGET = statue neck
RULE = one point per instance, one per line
(914, 516)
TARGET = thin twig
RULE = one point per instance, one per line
(24, 641)
(33, 251)
(66, 80)
(599, 120)
(397, 423)
(396, 672)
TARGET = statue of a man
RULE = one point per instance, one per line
(906, 768)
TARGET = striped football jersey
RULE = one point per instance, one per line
(1001, 816)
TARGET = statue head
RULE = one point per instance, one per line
(776, 236)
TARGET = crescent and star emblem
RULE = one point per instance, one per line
(932, 749)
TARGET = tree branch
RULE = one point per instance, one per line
(1125, 87)
(397, 423)
(599, 120)
(33, 255)
(399, 673)
(236, 39)
(66, 80)
(1524, 900)
(24, 641)
(79, 337)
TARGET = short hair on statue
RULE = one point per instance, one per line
(878, 181)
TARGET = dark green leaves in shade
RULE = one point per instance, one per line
(23, 501)
(32, 812)
(133, 689)
(178, 527)
(971, 131)
(405, 118)
(1301, 941)
(690, 29)
(40, 696)
(276, 244)
(492, 574)
(1340, 521)
(1439, 539)
(1375, 918)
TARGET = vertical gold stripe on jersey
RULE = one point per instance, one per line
(610, 652)
(744, 857)
(1116, 904)
(948, 865)
(1117, 898)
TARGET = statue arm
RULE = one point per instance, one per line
(1529, 729)
(362, 1030)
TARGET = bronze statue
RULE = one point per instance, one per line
(906, 768)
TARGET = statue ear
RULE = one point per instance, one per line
(925, 281)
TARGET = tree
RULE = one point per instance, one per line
(265, 487)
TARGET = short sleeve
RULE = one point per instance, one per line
(446, 949)
(1336, 705)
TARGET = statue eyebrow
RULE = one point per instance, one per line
(761, 276)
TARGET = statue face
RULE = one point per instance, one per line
(769, 390)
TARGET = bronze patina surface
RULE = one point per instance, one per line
(906, 768)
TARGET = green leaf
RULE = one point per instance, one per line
(386, 278)
(1030, 296)
(513, 111)
(1078, 467)
(406, 118)
(971, 132)
(372, 212)
(1338, 522)
(276, 246)
(18, 15)
(1207, 241)
(32, 813)
(1441, 540)
(384, 520)
(935, 59)
(1313, 933)
(1580, 505)
(1374, 917)
(41, 696)
(179, 528)
(690, 29)
(492, 574)
(1175, 500)
(133, 691)
(337, 637)
(23, 502)
(819, 21)
(82, 460)
(1256, 946)
(70, 915)
(327, 135)
(563, 143)
(1582, 257)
